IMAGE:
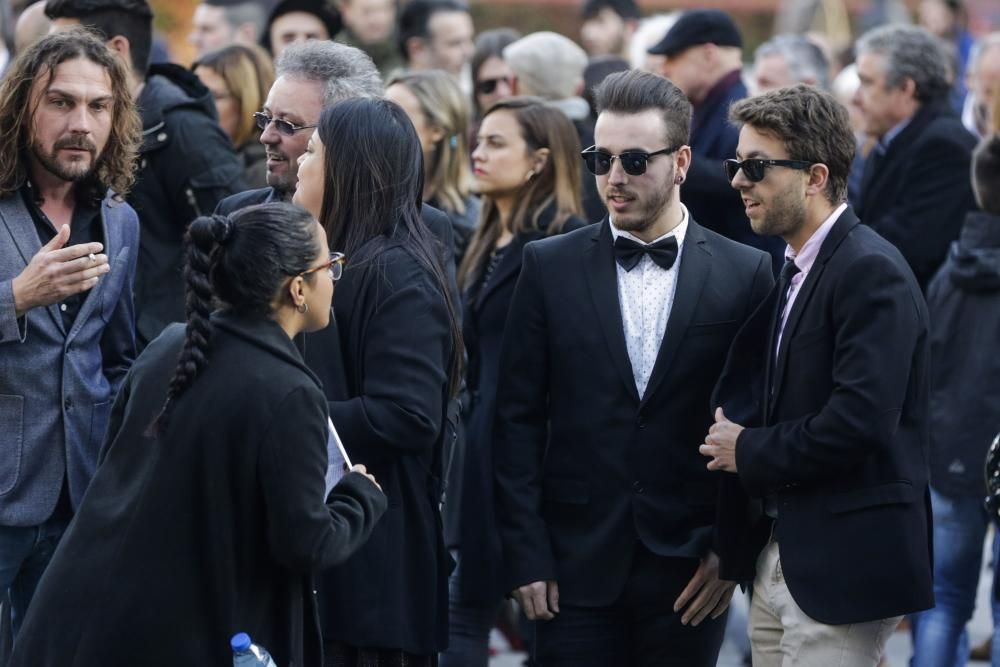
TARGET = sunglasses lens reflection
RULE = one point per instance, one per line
(634, 164)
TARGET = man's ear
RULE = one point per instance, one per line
(819, 176)
(246, 33)
(416, 50)
(120, 45)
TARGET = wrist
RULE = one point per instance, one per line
(20, 306)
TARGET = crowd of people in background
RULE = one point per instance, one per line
(609, 322)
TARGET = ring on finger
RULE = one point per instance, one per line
(92, 257)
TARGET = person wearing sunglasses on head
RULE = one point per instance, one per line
(821, 419)
(614, 338)
(210, 511)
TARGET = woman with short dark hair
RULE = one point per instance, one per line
(389, 368)
(209, 512)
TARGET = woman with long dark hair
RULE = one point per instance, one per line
(389, 368)
(527, 169)
(209, 512)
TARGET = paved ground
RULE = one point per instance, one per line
(898, 651)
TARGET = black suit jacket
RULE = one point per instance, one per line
(918, 194)
(843, 443)
(583, 467)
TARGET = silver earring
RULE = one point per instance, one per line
(303, 308)
(678, 179)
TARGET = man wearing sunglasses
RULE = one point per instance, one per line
(614, 339)
(822, 408)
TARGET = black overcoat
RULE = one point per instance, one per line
(212, 529)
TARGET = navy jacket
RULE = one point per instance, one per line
(56, 386)
(964, 304)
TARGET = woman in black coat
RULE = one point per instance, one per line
(527, 167)
(399, 348)
(206, 516)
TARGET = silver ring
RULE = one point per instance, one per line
(92, 257)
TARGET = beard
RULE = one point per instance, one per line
(786, 212)
(648, 208)
(72, 171)
(284, 181)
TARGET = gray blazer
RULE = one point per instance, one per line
(56, 386)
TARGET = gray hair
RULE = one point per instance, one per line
(547, 65)
(344, 71)
(983, 45)
(911, 53)
(806, 62)
(245, 12)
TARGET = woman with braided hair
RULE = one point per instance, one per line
(209, 512)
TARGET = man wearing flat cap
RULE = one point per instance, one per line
(703, 56)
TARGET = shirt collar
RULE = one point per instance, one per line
(679, 232)
(894, 132)
(806, 256)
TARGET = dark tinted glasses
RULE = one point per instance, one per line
(633, 162)
(335, 266)
(755, 169)
(282, 126)
(488, 86)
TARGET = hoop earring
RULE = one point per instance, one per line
(678, 180)
(303, 308)
(530, 175)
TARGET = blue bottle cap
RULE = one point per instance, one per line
(240, 642)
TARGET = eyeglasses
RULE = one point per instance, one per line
(282, 126)
(489, 86)
(755, 169)
(335, 266)
(633, 162)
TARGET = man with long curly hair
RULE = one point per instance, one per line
(69, 134)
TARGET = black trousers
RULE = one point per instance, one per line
(640, 629)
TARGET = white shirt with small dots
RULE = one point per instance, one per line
(646, 295)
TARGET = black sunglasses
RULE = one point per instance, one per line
(755, 169)
(335, 266)
(633, 162)
(282, 126)
(488, 86)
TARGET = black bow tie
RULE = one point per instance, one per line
(628, 253)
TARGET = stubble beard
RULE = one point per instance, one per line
(72, 172)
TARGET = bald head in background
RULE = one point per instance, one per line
(31, 26)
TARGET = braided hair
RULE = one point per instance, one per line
(240, 263)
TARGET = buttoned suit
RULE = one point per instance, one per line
(586, 470)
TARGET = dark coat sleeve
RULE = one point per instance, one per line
(873, 306)
(928, 216)
(404, 351)
(521, 432)
(304, 533)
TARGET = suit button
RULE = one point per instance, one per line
(68, 404)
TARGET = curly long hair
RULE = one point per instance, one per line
(115, 167)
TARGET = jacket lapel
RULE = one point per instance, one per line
(841, 228)
(22, 230)
(695, 265)
(112, 247)
(602, 279)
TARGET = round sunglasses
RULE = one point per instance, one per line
(489, 86)
(633, 162)
(755, 169)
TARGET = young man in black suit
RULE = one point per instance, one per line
(615, 336)
(823, 404)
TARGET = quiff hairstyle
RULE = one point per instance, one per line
(811, 124)
(115, 168)
(635, 91)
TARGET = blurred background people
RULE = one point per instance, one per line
(293, 21)
(239, 78)
(370, 25)
(598, 69)
(213, 501)
(550, 66)
(31, 26)
(915, 191)
(437, 34)
(948, 21)
(785, 60)
(440, 114)
(527, 174)
(703, 56)
(964, 304)
(608, 26)
(219, 23)
(650, 31)
(492, 77)
(399, 353)
(983, 83)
